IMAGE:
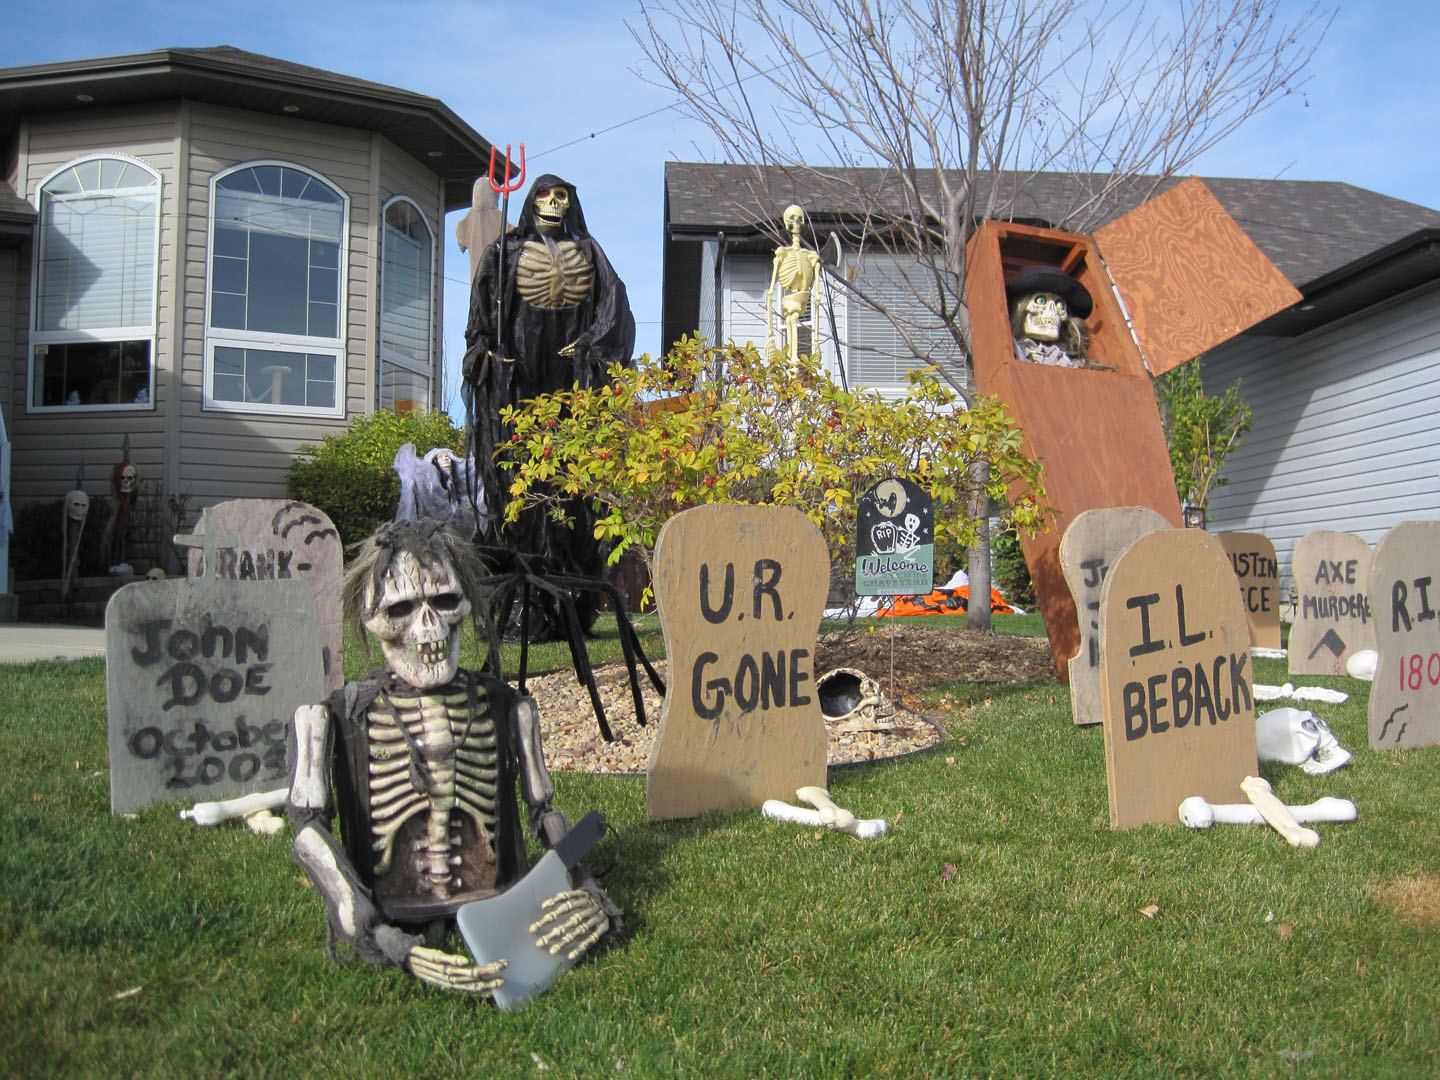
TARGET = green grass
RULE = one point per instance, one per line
(997, 929)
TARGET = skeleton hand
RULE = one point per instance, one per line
(569, 350)
(571, 922)
(451, 972)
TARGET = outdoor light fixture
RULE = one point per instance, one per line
(86, 98)
(1194, 517)
(290, 108)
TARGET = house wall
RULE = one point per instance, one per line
(9, 347)
(1344, 435)
(51, 445)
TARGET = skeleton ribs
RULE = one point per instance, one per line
(429, 756)
(553, 274)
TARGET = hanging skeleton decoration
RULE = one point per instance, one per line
(1048, 309)
(425, 758)
(440, 486)
(125, 490)
(72, 524)
(547, 312)
(796, 270)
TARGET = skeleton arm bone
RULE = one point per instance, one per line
(1257, 790)
(862, 829)
(1196, 813)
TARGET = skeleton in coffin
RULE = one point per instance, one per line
(425, 758)
(1048, 309)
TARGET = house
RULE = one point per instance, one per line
(218, 255)
(1341, 383)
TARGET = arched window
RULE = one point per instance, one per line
(407, 277)
(93, 300)
(274, 336)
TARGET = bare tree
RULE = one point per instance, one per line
(916, 119)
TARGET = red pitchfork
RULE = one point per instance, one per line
(503, 187)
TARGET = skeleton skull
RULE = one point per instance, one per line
(77, 505)
(551, 206)
(1044, 313)
(129, 477)
(417, 617)
(794, 218)
(850, 696)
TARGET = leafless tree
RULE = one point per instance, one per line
(912, 120)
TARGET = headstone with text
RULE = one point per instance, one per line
(1176, 679)
(894, 540)
(201, 680)
(1252, 557)
(1090, 546)
(1405, 599)
(1331, 571)
(740, 591)
(277, 540)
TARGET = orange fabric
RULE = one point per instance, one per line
(942, 602)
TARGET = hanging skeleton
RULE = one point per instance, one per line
(547, 312)
(425, 760)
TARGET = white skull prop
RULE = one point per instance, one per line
(77, 505)
(849, 695)
(417, 617)
(794, 218)
(129, 477)
(551, 206)
(1044, 314)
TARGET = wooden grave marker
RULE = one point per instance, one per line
(202, 678)
(1252, 557)
(741, 590)
(1405, 598)
(1331, 571)
(277, 539)
(1176, 680)
(1091, 545)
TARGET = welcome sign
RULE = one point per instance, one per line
(894, 541)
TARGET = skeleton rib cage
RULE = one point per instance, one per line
(428, 754)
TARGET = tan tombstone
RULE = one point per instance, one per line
(1252, 557)
(1091, 545)
(1405, 599)
(740, 590)
(1331, 571)
(1175, 678)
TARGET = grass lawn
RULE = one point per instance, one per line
(997, 929)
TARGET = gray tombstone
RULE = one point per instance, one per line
(202, 678)
(276, 540)
(1092, 544)
(1405, 597)
(1331, 571)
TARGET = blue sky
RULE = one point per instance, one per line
(1368, 115)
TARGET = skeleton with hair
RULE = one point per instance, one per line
(422, 761)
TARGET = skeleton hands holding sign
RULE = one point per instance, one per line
(425, 759)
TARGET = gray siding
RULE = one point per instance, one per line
(50, 445)
(10, 349)
(1344, 435)
(210, 442)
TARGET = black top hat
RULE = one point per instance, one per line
(1046, 279)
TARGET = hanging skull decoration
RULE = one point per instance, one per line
(128, 479)
(416, 611)
(848, 695)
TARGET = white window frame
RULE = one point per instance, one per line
(270, 341)
(387, 356)
(144, 333)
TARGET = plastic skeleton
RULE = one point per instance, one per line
(425, 769)
(796, 270)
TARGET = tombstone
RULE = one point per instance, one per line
(894, 540)
(1331, 571)
(740, 590)
(1091, 545)
(1404, 596)
(201, 679)
(276, 539)
(1252, 557)
(1175, 677)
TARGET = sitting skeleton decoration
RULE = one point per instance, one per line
(425, 769)
(1048, 309)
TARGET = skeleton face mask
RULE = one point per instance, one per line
(417, 618)
(1044, 312)
(551, 206)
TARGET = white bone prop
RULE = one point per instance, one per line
(1257, 790)
(212, 813)
(1196, 813)
(861, 828)
(835, 817)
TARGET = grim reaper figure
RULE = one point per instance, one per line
(422, 762)
(547, 312)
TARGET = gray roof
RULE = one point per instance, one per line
(1309, 228)
(424, 127)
